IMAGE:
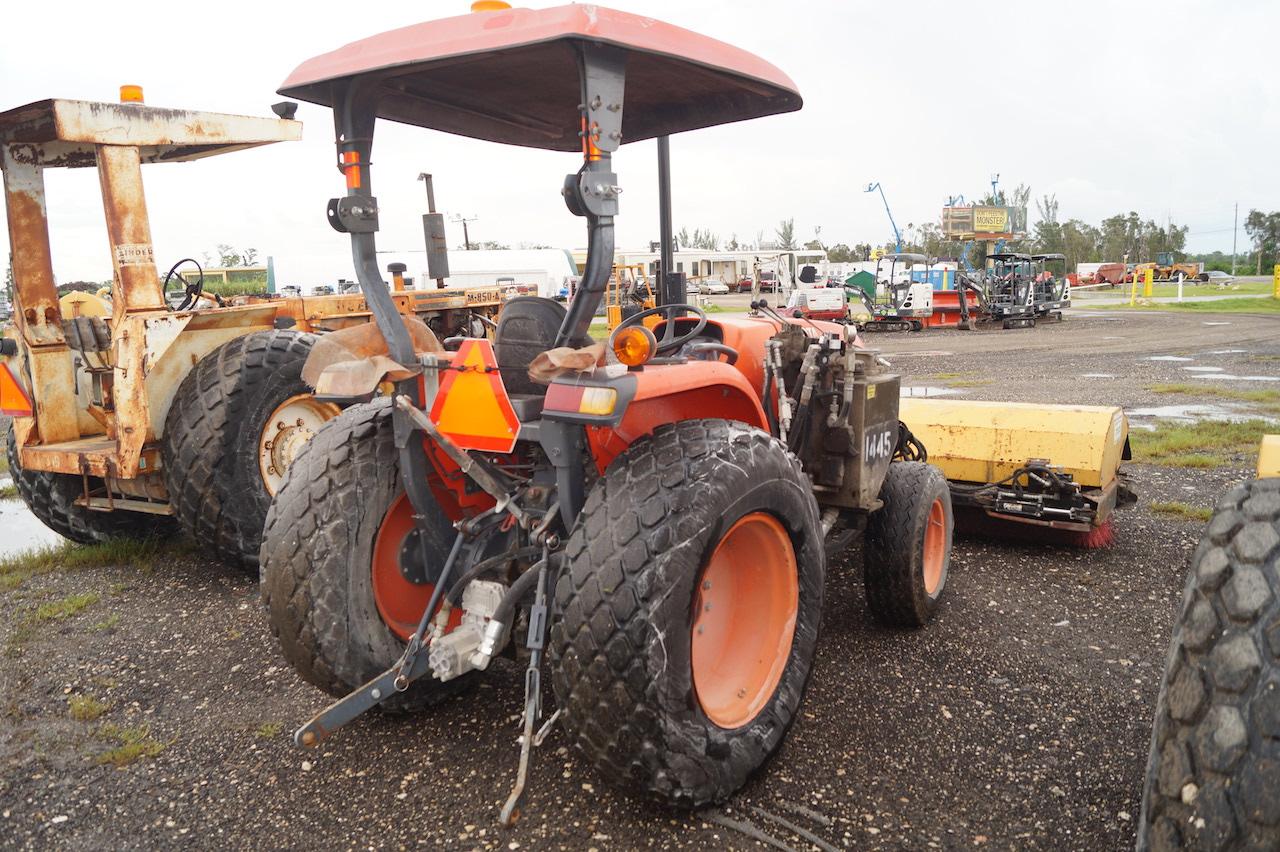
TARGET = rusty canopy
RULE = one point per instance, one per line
(64, 133)
(512, 76)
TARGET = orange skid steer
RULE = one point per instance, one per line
(646, 521)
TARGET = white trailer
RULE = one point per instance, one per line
(548, 270)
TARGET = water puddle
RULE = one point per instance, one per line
(1204, 369)
(1190, 414)
(21, 529)
(1169, 358)
(925, 391)
(926, 353)
(1228, 351)
(1097, 376)
(1216, 323)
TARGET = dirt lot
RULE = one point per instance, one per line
(1019, 719)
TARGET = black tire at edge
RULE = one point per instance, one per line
(1213, 773)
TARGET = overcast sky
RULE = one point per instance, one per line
(929, 98)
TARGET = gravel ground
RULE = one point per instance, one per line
(1018, 719)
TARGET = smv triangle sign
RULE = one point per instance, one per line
(472, 406)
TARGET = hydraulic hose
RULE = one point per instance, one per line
(454, 595)
(507, 609)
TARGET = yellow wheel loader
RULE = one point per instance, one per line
(157, 402)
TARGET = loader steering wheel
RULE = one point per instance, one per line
(670, 341)
(191, 292)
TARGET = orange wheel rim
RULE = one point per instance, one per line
(399, 602)
(744, 620)
(935, 547)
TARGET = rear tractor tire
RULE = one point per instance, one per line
(238, 419)
(687, 611)
(907, 547)
(1213, 775)
(331, 582)
(51, 497)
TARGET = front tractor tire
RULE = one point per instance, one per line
(51, 497)
(1213, 775)
(687, 611)
(238, 419)
(907, 548)
(331, 582)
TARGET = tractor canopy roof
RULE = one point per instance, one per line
(64, 133)
(512, 76)
(1049, 257)
(1009, 255)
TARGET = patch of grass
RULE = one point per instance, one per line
(25, 628)
(134, 744)
(269, 730)
(1241, 305)
(66, 607)
(108, 623)
(85, 708)
(961, 380)
(1206, 389)
(8, 491)
(1182, 510)
(1204, 444)
(142, 554)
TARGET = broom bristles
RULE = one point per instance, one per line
(974, 523)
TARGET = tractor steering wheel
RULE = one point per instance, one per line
(191, 292)
(670, 341)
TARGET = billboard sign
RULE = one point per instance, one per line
(982, 221)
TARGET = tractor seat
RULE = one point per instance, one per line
(527, 326)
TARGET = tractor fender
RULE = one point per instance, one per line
(671, 393)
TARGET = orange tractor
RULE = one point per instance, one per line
(648, 520)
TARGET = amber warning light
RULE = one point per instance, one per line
(130, 94)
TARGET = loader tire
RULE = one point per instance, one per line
(907, 549)
(222, 413)
(318, 549)
(51, 498)
(658, 688)
(1213, 775)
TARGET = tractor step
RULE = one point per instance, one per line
(124, 504)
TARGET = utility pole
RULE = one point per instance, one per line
(466, 236)
(1235, 227)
